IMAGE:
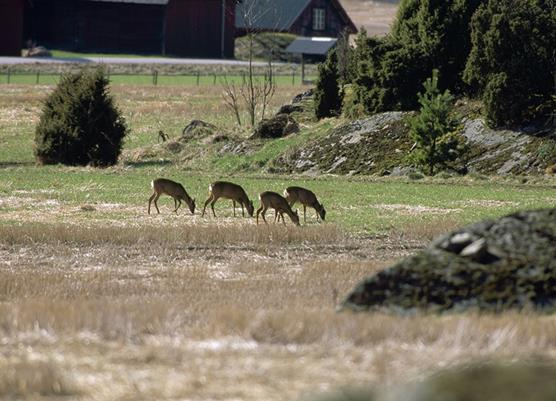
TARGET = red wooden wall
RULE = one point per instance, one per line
(194, 28)
(11, 27)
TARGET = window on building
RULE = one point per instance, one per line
(318, 19)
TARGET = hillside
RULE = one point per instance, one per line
(376, 145)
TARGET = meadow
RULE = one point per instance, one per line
(101, 301)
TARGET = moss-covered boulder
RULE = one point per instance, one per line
(488, 382)
(493, 265)
(198, 129)
(276, 127)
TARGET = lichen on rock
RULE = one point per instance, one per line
(493, 265)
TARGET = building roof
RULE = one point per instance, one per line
(319, 46)
(149, 2)
(269, 14)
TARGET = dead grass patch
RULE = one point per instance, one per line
(29, 378)
(185, 234)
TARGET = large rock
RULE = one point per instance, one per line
(508, 263)
(198, 129)
(490, 381)
(276, 127)
(486, 382)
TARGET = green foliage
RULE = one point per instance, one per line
(512, 61)
(427, 34)
(79, 124)
(434, 128)
(328, 99)
(345, 54)
(439, 29)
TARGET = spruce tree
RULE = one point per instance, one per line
(434, 128)
(80, 124)
(328, 100)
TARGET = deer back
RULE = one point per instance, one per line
(302, 195)
(229, 190)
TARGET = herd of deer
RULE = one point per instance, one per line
(228, 190)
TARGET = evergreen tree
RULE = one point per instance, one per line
(328, 100)
(428, 34)
(513, 59)
(79, 124)
(434, 128)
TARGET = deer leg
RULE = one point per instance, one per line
(242, 211)
(155, 204)
(259, 211)
(212, 207)
(178, 204)
(304, 211)
(263, 213)
(150, 200)
(234, 203)
(206, 204)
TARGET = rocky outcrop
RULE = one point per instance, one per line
(493, 265)
(276, 127)
(198, 129)
(382, 143)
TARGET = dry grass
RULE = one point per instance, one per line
(27, 379)
(197, 313)
(192, 233)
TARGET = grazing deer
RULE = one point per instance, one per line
(174, 189)
(306, 198)
(279, 204)
(228, 190)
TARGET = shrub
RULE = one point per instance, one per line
(79, 124)
(511, 64)
(328, 100)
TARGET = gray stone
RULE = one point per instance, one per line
(276, 127)
(510, 264)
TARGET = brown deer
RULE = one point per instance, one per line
(228, 190)
(306, 198)
(174, 189)
(279, 204)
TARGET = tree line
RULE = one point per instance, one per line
(499, 51)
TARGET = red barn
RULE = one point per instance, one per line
(11, 27)
(186, 28)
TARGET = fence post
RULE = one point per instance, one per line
(293, 77)
(38, 76)
(214, 79)
(198, 76)
(9, 72)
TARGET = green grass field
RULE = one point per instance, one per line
(101, 301)
(26, 78)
